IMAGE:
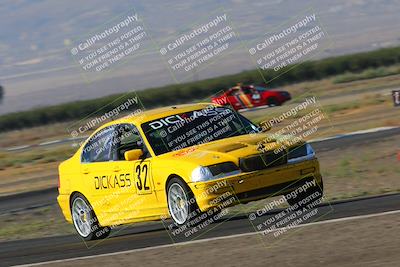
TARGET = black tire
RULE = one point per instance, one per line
(96, 230)
(272, 101)
(298, 200)
(187, 198)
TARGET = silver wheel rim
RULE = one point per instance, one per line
(81, 215)
(177, 203)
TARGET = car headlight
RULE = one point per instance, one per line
(201, 173)
(300, 153)
(310, 150)
(216, 171)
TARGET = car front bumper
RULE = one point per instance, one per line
(250, 186)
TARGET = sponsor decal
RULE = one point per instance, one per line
(185, 152)
(181, 119)
(112, 181)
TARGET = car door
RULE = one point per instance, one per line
(144, 202)
(105, 184)
(234, 100)
(241, 99)
(252, 95)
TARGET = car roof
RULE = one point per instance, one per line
(153, 114)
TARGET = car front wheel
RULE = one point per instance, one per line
(272, 101)
(181, 201)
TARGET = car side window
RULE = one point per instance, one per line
(127, 138)
(98, 149)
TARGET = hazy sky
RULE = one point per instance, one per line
(36, 38)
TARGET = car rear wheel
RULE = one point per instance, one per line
(85, 221)
(181, 201)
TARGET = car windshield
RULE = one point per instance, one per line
(195, 127)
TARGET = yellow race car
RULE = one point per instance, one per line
(177, 161)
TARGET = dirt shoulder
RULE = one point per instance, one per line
(361, 242)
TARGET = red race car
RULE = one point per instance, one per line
(249, 96)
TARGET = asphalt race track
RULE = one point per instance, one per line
(154, 234)
(63, 247)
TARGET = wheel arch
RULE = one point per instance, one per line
(86, 198)
(170, 177)
(72, 195)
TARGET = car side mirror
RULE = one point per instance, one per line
(133, 154)
(264, 126)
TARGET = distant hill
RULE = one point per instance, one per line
(38, 70)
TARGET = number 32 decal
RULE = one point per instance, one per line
(143, 178)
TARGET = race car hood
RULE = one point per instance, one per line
(231, 149)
